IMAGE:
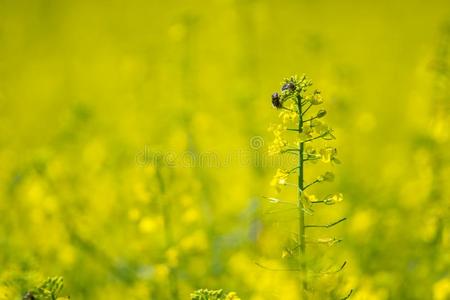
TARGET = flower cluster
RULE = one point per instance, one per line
(291, 87)
(205, 294)
(297, 130)
(301, 124)
(279, 143)
(294, 102)
(49, 289)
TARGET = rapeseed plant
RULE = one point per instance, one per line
(205, 294)
(47, 290)
(295, 135)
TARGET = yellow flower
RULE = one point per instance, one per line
(319, 127)
(277, 146)
(279, 179)
(147, 225)
(441, 289)
(333, 199)
(329, 155)
(309, 197)
(276, 129)
(311, 154)
(289, 114)
(232, 296)
(286, 253)
(278, 143)
(316, 98)
(306, 134)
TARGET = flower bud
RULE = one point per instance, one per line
(321, 113)
(328, 176)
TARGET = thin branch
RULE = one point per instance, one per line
(276, 269)
(277, 201)
(348, 296)
(304, 112)
(317, 137)
(330, 241)
(289, 150)
(278, 211)
(330, 134)
(310, 119)
(293, 169)
(288, 109)
(310, 159)
(317, 202)
(312, 183)
(328, 225)
(342, 267)
(332, 272)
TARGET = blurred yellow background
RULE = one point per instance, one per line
(91, 90)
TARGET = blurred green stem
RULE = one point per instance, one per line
(173, 274)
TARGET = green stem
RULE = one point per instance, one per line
(301, 213)
(310, 119)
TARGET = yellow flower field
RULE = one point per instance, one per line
(159, 150)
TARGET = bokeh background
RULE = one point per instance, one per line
(91, 90)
